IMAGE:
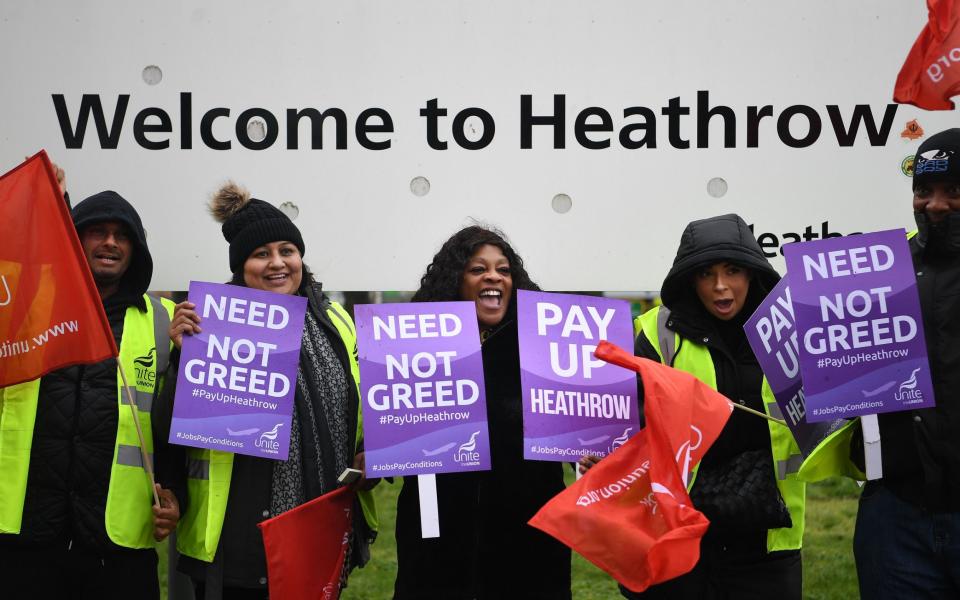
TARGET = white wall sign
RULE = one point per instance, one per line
(591, 133)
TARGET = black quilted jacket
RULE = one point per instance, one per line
(76, 424)
(70, 461)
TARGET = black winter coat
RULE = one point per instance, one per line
(72, 454)
(739, 377)
(76, 425)
(921, 448)
(486, 549)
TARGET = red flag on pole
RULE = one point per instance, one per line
(306, 547)
(630, 514)
(931, 74)
(51, 315)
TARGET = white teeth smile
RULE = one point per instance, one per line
(491, 299)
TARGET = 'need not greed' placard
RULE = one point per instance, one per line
(237, 379)
(421, 374)
(862, 349)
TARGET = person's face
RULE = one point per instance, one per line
(937, 199)
(722, 287)
(274, 267)
(487, 283)
(108, 248)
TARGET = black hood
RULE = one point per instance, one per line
(718, 239)
(111, 206)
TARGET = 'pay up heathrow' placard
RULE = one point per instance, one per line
(573, 403)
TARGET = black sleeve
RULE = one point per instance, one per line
(856, 448)
(170, 460)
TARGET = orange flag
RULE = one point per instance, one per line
(306, 547)
(931, 74)
(630, 514)
(51, 315)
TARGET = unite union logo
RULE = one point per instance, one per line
(467, 453)
(143, 366)
(268, 440)
(908, 392)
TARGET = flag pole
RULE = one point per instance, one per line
(758, 413)
(143, 445)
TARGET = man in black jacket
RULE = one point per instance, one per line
(907, 541)
(84, 530)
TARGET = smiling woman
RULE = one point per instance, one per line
(266, 253)
(274, 267)
(488, 283)
(485, 550)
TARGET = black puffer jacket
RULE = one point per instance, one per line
(921, 448)
(76, 425)
(739, 377)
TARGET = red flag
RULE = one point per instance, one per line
(306, 547)
(51, 315)
(931, 74)
(630, 515)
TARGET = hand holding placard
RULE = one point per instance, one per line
(235, 384)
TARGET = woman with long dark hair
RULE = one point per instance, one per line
(485, 548)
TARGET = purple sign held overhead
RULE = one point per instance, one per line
(573, 403)
(421, 375)
(772, 334)
(862, 349)
(237, 379)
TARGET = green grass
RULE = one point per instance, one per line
(828, 569)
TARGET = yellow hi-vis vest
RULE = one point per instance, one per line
(144, 354)
(695, 359)
(209, 472)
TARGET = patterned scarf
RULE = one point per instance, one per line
(319, 441)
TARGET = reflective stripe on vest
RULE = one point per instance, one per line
(208, 487)
(128, 516)
(695, 359)
(144, 353)
(209, 472)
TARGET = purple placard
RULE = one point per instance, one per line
(421, 376)
(772, 334)
(862, 349)
(237, 379)
(573, 403)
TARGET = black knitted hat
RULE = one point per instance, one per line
(249, 223)
(938, 158)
